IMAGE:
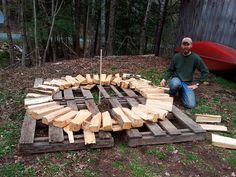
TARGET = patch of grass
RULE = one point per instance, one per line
(9, 135)
(160, 155)
(122, 148)
(90, 173)
(95, 94)
(4, 59)
(119, 165)
(225, 83)
(232, 158)
(138, 170)
(170, 148)
(190, 157)
(113, 68)
(16, 169)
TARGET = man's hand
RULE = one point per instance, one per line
(193, 87)
(163, 83)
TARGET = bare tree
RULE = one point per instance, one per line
(37, 57)
(110, 37)
(55, 9)
(77, 25)
(9, 36)
(103, 21)
(143, 28)
(160, 25)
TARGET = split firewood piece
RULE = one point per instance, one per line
(65, 119)
(103, 79)
(89, 87)
(123, 120)
(41, 91)
(69, 133)
(117, 75)
(208, 118)
(144, 114)
(96, 122)
(33, 101)
(82, 80)
(160, 96)
(166, 105)
(75, 87)
(72, 80)
(40, 106)
(224, 142)
(153, 90)
(106, 121)
(76, 123)
(39, 113)
(124, 83)
(126, 76)
(116, 81)
(108, 79)
(47, 119)
(135, 119)
(96, 79)
(89, 79)
(114, 122)
(89, 137)
(54, 89)
(210, 127)
(145, 80)
(160, 113)
(116, 128)
(64, 83)
(35, 95)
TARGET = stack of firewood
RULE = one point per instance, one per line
(40, 105)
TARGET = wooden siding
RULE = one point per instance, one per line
(211, 20)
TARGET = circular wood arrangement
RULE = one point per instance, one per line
(40, 105)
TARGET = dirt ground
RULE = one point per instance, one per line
(181, 159)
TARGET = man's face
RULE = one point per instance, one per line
(186, 47)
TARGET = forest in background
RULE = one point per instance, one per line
(55, 29)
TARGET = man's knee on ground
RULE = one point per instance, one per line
(175, 84)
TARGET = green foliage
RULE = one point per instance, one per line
(160, 155)
(90, 173)
(113, 68)
(4, 59)
(9, 135)
(122, 148)
(16, 169)
(119, 165)
(190, 157)
(95, 94)
(225, 83)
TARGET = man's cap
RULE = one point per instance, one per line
(187, 39)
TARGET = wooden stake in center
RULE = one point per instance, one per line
(100, 83)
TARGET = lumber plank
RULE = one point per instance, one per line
(72, 104)
(57, 96)
(55, 134)
(106, 121)
(123, 120)
(69, 133)
(92, 107)
(33, 101)
(116, 91)
(62, 83)
(89, 137)
(96, 122)
(89, 86)
(160, 113)
(77, 121)
(96, 79)
(116, 81)
(72, 81)
(136, 121)
(207, 118)
(68, 94)
(41, 106)
(47, 119)
(169, 127)
(86, 93)
(89, 79)
(103, 91)
(210, 127)
(129, 92)
(116, 128)
(144, 114)
(65, 119)
(108, 79)
(29, 124)
(224, 142)
(35, 95)
(41, 91)
(114, 102)
(103, 79)
(187, 120)
(39, 113)
(160, 104)
(47, 87)
(82, 80)
(155, 129)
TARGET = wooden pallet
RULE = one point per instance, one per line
(177, 128)
(39, 138)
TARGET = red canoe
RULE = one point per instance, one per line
(216, 56)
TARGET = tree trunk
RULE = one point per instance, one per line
(54, 55)
(37, 57)
(143, 29)
(9, 36)
(160, 26)
(110, 37)
(77, 26)
(92, 29)
(86, 30)
(103, 21)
